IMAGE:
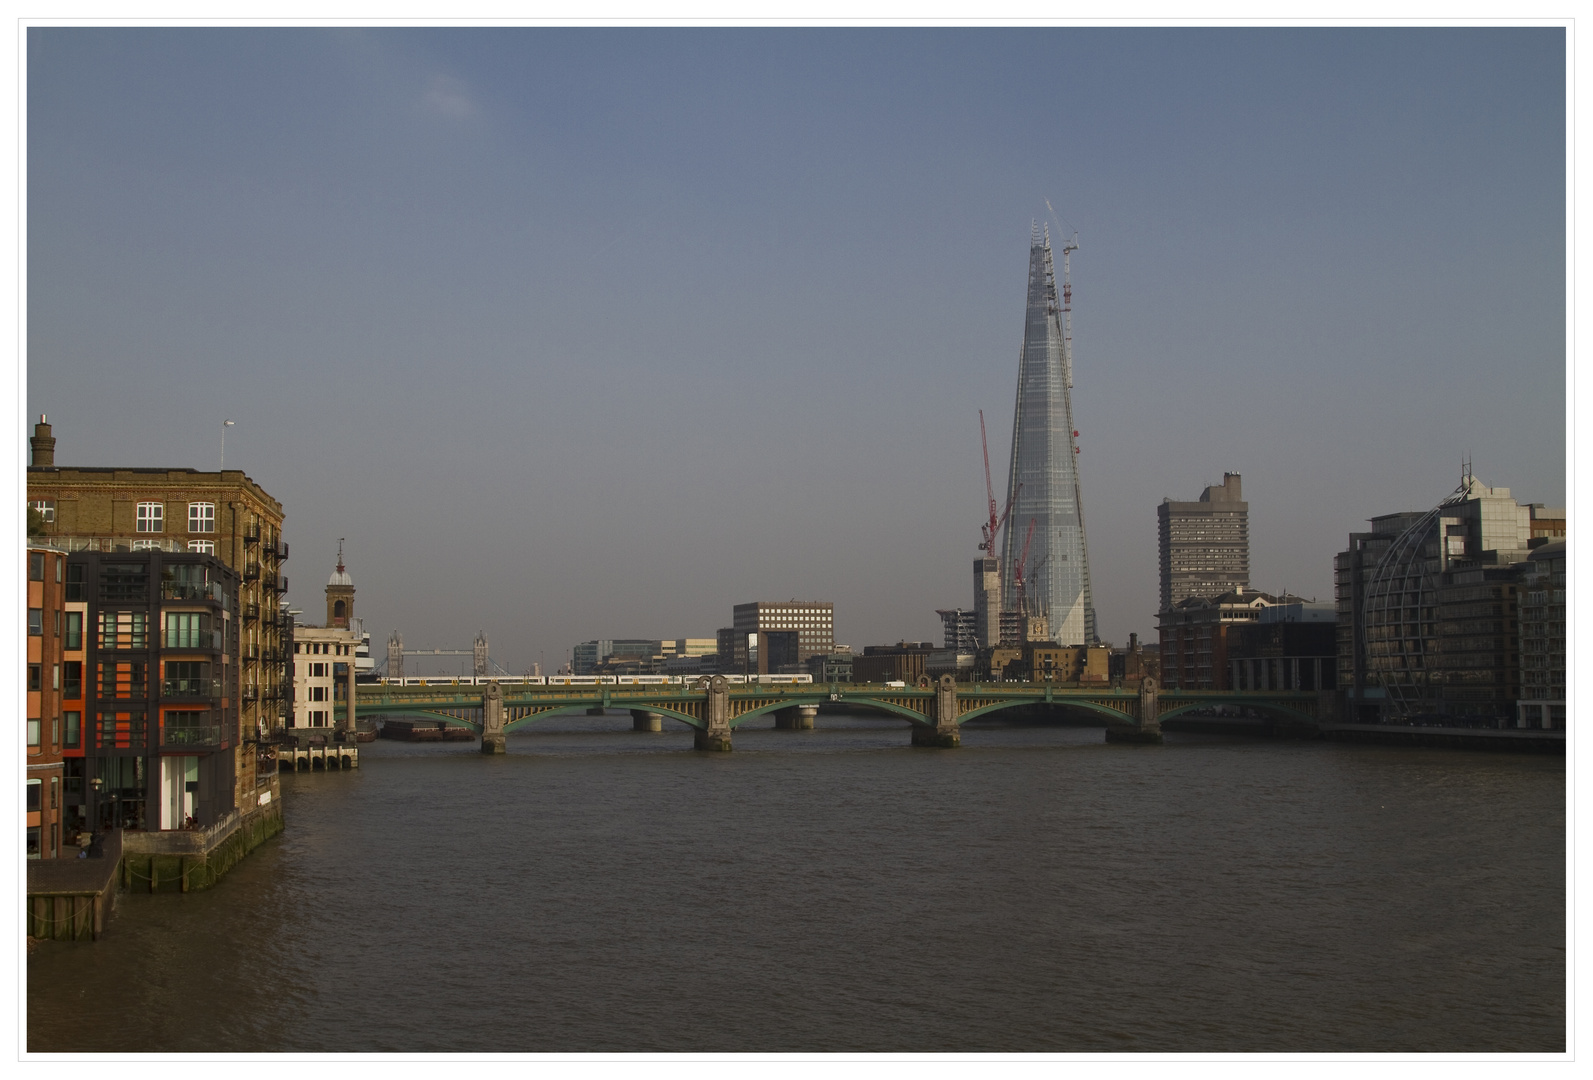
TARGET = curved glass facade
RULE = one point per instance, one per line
(1401, 624)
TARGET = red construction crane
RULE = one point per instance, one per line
(1017, 571)
(992, 528)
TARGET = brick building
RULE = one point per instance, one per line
(224, 514)
(50, 676)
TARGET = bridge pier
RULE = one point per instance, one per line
(1149, 728)
(715, 735)
(795, 717)
(493, 739)
(642, 720)
(946, 734)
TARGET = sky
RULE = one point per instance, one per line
(594, 333)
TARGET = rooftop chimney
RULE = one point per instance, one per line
(43, 443)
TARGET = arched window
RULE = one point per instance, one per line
(337, 609)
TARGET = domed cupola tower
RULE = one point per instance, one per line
(339, 595)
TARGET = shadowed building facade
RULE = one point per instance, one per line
(1043, 479)
(1204, 546)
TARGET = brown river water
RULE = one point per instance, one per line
(599, 889)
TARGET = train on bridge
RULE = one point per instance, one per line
(588, 680)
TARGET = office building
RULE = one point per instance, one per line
(1292, 646)
(1043, 477)
(1428, 606)
(832, 667)
(1197, 631)
(588, 655)
(776, 637)
(1542, 627)
(1204, 546)
(904, 661)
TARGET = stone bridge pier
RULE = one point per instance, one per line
(945, 734)
(1149, 727)
(642, 720)
(493, 739)
(715, 732)
(795, 718)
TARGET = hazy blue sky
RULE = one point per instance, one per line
(597, 333)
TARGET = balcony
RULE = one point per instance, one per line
(251, 534)
(190, 688)
(203, 735)
(207, 640)
(250, 693)
(209, 592)
(249, 611)
(251, 571)
(284, 556)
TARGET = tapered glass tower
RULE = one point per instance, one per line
(1044, 478)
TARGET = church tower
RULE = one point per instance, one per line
(339, 595)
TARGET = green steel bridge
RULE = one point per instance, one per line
(713, 708)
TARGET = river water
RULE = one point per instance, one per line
(599, 889)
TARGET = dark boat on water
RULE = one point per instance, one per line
(424, 731)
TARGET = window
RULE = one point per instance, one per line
(146, 545)
(35, 621)
(45, 508)
(74, 729)
(35, 675)
(33, 738)
(35, 566)
(150, 517)
(124, 680)
(57, 624)
(317, 693)
(74, 630)
(59, 562)
(121, 582)
(124, 630)
(34, 790)
(202, 547)
(55, 740)
(56, 677)
(188, 630)
(201, 517)
(74, 582)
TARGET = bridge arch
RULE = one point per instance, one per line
(1109, 713)
(449, 720)
(576, 707)
(815, 699)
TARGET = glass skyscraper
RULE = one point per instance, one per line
(1043, 482)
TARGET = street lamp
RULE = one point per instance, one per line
(225, 424)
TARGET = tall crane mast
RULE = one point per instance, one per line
(992, 527)
(1017, 571)
(1068, 247)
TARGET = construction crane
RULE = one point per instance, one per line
(1017, 571)
(1068, 247)
(992, 528)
